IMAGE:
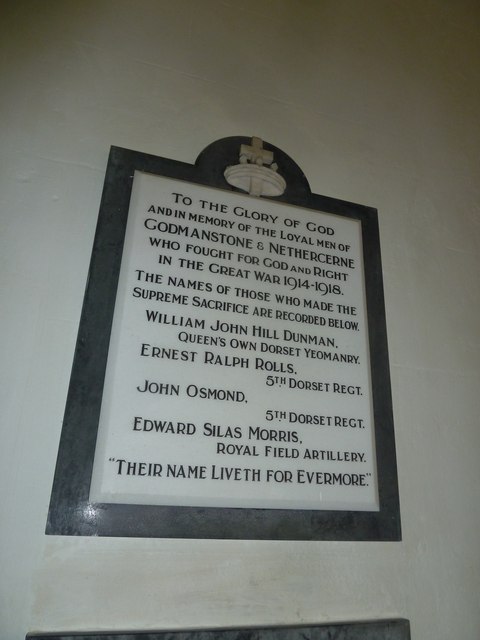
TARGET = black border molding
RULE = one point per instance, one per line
(71, 513)
(394, 629)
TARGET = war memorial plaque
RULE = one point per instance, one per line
(231, 374)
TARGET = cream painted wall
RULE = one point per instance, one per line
(378, 102)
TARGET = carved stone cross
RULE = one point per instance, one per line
(256, 173)
(255, 153)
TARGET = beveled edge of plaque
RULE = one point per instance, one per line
(381, 629)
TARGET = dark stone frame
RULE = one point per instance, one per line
(71, 513)
(395, 629)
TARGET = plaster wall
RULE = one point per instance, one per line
(378, 103)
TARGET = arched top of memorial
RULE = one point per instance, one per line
(226, 153)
